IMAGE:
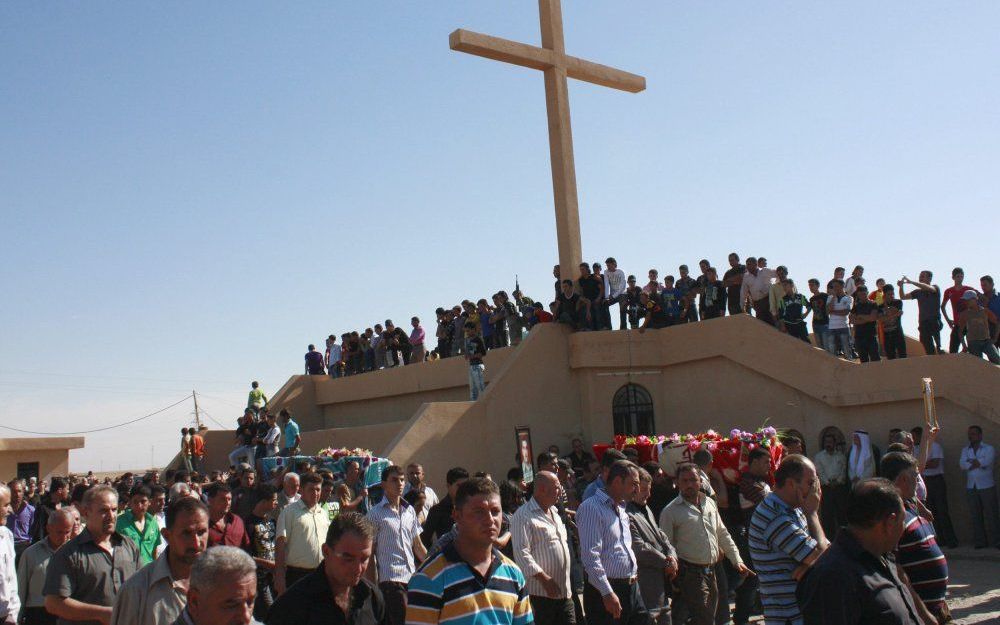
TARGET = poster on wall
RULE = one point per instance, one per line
(524, 452)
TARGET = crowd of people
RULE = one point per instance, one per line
(849, 536)
(849, 318)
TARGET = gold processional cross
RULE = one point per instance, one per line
(552, 59)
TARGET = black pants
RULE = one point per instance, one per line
(394, 594)
(930, 335)
(633, 610)
(867, 346)
(762, 308)
(733, 302)
(798, 330)
(956, 340)
(937, 502)
(37, 616)
(832, 509)
(549, 611)
(895, 344)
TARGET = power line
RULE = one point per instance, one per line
(110, 427)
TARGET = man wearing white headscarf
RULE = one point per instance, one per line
(861, 462)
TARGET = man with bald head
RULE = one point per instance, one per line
(541, 550)
(35, 562)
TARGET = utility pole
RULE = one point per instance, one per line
(197, 416)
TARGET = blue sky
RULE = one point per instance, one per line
(192, 192)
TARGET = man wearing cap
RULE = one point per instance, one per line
(980, 327)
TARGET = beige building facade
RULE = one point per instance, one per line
(721, 373)
(39, 457)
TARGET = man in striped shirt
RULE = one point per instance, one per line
(786, 538)
(612, 591)
(397, 541)
(470, 582)
(542, 552)
(918, 553)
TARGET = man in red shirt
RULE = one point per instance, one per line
(954, 294)
(224, 527)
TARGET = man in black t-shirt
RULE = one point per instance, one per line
(792, 311)
(314, 362)
(928, 298)
(572, 309)
(821, 318)
(864, 316)
(688, 287)
(891, 316)
(733, 281)
(712, 303)
(475, 351)
(592, 290)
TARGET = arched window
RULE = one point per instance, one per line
(632, 409)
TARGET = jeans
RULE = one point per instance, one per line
(476, 383)
(985, 348)
(983, 510)
(245, 452)
(930, 335)
(622, 311)
(820, 331)
(841, 337)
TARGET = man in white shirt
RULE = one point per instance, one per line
(272, 437)
(541, 550)
(415, 480)
(838, 307)
(334, 354)
(397, 544)
(10, 602)
(977, 461)
(300, 534)
(757, 287)
(831, 469)
(937, 492)
(614, 290)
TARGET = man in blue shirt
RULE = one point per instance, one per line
(292, 435)
(611, 595)
(786, 538)
(610, 457)
(672, 300)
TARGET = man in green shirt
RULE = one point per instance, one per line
(257, 399)
(139, 525)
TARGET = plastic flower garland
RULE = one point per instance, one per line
(762, 437)
(341, 452)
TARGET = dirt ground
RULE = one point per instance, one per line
(974, 588)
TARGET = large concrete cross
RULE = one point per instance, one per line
(552, 59)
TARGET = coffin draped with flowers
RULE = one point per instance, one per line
(729, 453)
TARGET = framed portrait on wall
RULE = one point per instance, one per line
(525, 453)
